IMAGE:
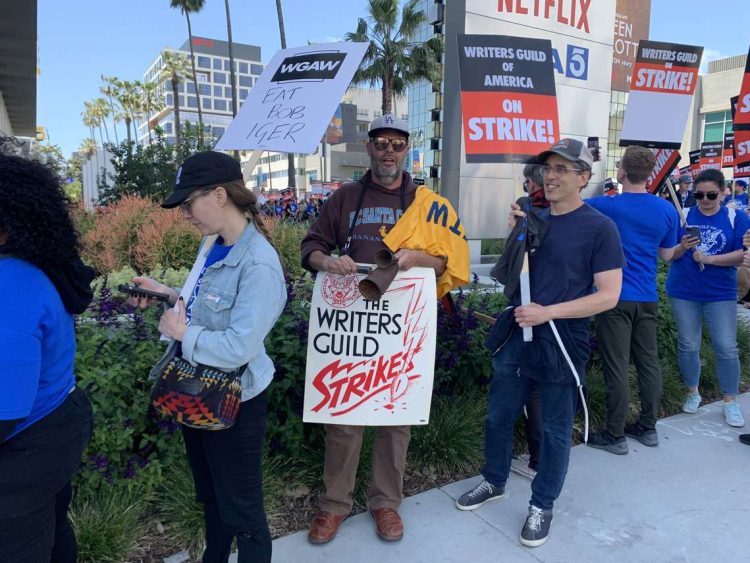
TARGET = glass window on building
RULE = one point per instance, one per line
(220, 105)
(190, 88)
(202, 77)
(357, 174)
(228, 92)
(192, 102)
(716, 124)
(363, 114)
(246, 81)
(217, 64)
(218, 91)
(226, 65)
(220, 78)
(204, 62)
(168, 128)
(206, 103)
(312, 175)
(181, 100)
(218, 131)
(256, 69)
(205, 89)
(243, 93)
(243, 68)
(170, 99)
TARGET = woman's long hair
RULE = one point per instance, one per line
(247, 202)
(34, 214)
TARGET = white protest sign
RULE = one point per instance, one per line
(291, 104)
(371, 363)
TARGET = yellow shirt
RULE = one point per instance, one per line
(430, 224)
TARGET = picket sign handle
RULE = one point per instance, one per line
(528, 335)
(683, 219)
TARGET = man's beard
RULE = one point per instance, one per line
(379, 170)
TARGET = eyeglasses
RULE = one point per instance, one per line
(188, 203)
(558, 169)
(710, 195)
(381, 143)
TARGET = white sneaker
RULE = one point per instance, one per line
(732, 414)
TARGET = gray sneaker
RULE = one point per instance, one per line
(476, 497)
(536, 528)
(604, 440)
(646, 436)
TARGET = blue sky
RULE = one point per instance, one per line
(80, 40)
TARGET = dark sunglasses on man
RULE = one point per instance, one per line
(710, 195)
(381, 143)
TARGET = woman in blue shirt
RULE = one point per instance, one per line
(702, 283)
(45, 420)
(222, 321)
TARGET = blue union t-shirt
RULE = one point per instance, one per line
(714, 283)
(646, 223)
(218, 252)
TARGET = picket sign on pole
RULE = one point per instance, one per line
(528, 333)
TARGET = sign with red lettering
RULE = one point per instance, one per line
(666, 162)
(371, 363)
(508, 102)
(727, 160)
(632, 21)
(741, 147)
(695, 157)
(661, 91)
(741, 119)
(710, 156)
(291, 104)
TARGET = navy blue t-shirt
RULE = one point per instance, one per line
(714, 283)
(739, 198)
(646, 223)
(37, 345)
(218, 252)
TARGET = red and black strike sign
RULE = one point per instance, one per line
(508, 98)
(710, 156)
(727, 160)
(695, 157)
(733, 104)
(741, 147)
(741, 118)
(666, 162)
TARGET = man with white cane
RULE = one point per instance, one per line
(580, 251)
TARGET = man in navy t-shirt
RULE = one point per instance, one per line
(649, 228)
(740, 195)
(580, 251)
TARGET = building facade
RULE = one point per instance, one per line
(18, 48)
(214, 83)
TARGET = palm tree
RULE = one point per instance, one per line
(102, 112)
(291, 169)
(128, 99)
(176, 68)
(231, 60)
(394, 60)
(187, 7)
(90, 120)
(150, 102)
(109, 90)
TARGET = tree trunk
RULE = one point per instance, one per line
(291, 169)
(176, 111)
(387, 93)
(114, 121)
(127, 128)
(195, 78)
(231, 60)
(106, 129)
(101, 137)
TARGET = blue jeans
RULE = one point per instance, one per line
(721, 319)
(508, 393)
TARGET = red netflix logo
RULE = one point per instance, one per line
(567, 12)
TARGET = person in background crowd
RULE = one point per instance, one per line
(45, 420)
(745, 438)
(649, 229)
(684, 193)
(580, 251)
(709, 293)
(740, 194)
(353, 220)
(237, 299)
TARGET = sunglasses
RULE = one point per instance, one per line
(188, 203)
(381, 143)
(710, 195)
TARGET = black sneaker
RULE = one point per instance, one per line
(536, 528)
(476, 497)
(646, 436)
(604, 440)
(745, 439)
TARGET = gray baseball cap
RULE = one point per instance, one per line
(389, 121)
(569, 149)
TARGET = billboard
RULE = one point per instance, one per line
(632, 22)
(581, 38)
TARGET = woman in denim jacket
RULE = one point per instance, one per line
(222, 322)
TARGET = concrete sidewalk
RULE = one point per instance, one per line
(685, 500)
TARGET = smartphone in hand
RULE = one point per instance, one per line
(692, 231)
(140, 292)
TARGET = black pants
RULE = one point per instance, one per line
(534, 430)
(36, 467)
(629, 332)
(228, 478)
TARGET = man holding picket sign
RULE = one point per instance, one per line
(581, 251)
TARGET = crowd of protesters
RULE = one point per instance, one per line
(593, 258)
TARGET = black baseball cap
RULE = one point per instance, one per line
(206, 168)
(569, 149)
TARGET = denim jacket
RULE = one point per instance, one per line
(239, 301)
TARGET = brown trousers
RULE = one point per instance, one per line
(343, 445)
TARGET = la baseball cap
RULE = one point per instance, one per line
(205, 168)
(569, 149)
(685, 179)
(389, 121)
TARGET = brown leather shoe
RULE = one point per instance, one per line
(388, 524)
(324, 527)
